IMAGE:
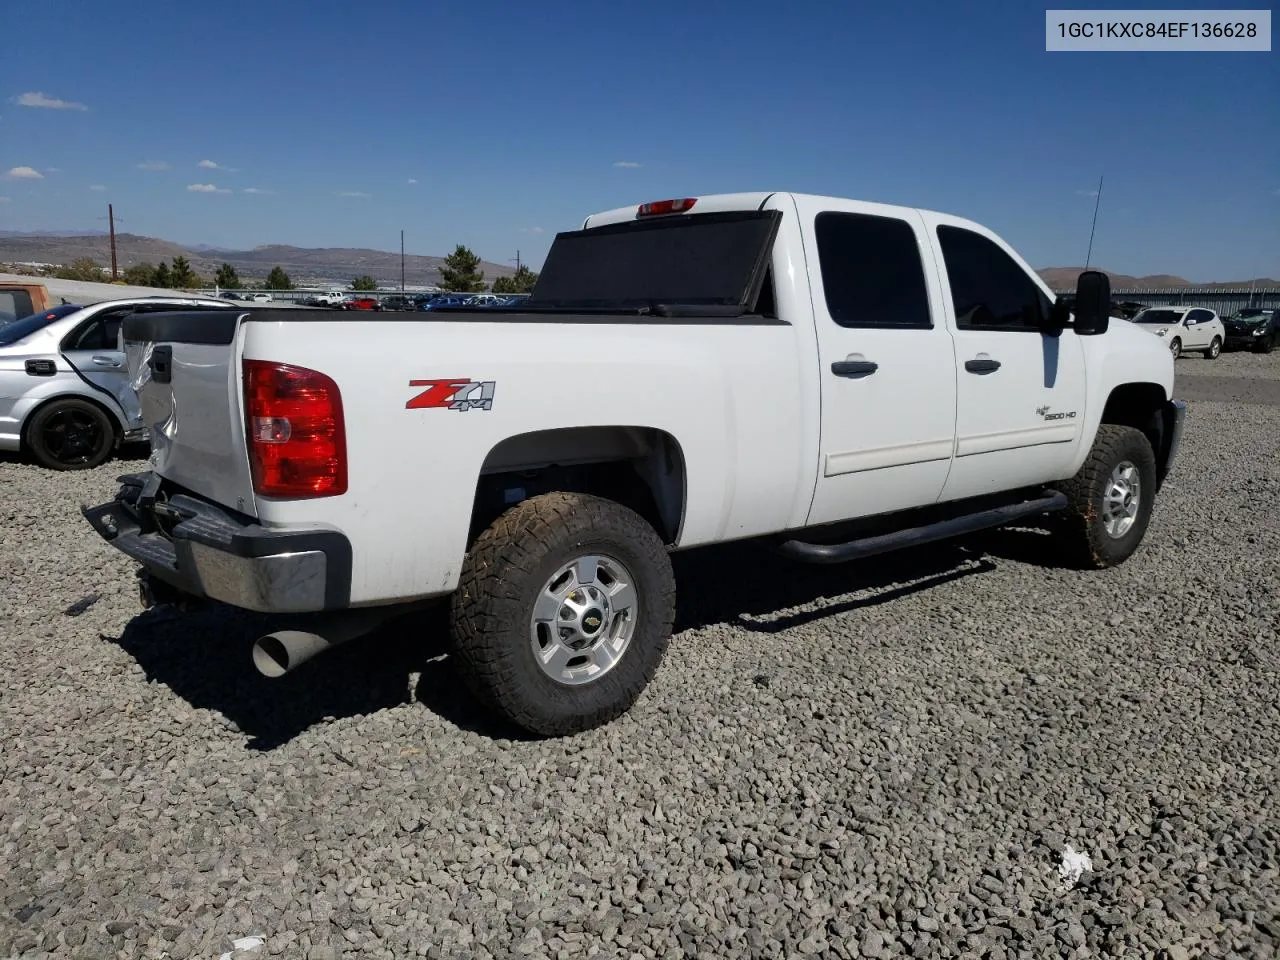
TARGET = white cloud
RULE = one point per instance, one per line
(1086, 193)
(257, 190)
(206, 188)
(24, 173)
(97, 188)
(153, 165)
(627, 164)
(352, 193)
(412, 181)
(49, 103)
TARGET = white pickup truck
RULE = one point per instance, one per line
(841, 377)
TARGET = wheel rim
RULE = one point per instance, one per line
(72, 436)
(583, 619)
(1214, 347)
(1175, 348)
(1121, 499)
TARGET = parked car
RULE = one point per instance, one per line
(1185, 329)
(259, 297)
(1254, 328)
(361, 302)
(446, 300)
(536, 470)
(20, 299)
(396, 301)
(65, 395)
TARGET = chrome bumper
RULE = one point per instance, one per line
(204, 551)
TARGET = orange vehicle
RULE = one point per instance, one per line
(18, 300)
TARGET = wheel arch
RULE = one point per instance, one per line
(1145, 407)
(643, 468)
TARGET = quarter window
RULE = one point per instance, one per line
(871, 271)
(989, 290)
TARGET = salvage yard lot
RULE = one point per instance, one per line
(880, 759)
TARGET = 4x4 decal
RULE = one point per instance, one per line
(452, 394)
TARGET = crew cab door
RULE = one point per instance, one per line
(1021, 392)
(886, 364)
(94, 349)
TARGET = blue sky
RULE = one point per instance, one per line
(495, 125)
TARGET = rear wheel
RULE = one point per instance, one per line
(1175, 347)
(70, 434)
(563, 613)
(1215, 348)
(1110, 498)
(1268, 343)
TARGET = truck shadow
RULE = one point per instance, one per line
(205, 656)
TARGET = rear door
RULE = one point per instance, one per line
(1199, 329)
(94, 349)
(1021, 393)
(886, 361)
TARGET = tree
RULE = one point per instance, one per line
(85, 268)
(277, 279)
(365, 282)
(181, 275)
(139, 275)
(458, 273)
(227, 277)
(161, 276)
(521, 282)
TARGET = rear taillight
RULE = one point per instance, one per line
(295, 431)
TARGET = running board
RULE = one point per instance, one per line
(914, 536)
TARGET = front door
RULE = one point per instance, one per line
(885, 361)
(93, 348)
(1021, 393)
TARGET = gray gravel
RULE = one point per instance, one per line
(880, 760)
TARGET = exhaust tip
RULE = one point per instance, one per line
(271, 656)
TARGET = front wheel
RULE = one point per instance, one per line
(563, 613)
(1110, 498)
(70, 434)
(1266, 344)
(1215, 348)
(1175, 347)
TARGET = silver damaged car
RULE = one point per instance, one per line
(65, 396)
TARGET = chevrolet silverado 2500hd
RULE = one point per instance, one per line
(843, 377)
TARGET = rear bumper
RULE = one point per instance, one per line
(205, 551)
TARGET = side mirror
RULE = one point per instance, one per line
(1092, 303)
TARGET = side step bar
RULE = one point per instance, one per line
(914, 536)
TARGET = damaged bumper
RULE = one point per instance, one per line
(200, 550)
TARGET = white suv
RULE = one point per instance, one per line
(1185, 328)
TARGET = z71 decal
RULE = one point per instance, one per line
(452, 395)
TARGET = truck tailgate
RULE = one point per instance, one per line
(185, 369)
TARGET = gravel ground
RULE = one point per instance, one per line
(898, 758)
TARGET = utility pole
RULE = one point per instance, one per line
(517, 261)
(111, 220)
(402, 261)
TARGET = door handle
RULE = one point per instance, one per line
(985, 365)
(854, 368)
(106, 362)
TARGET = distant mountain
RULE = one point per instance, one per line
(52, 233)
(1064, 278)
(303, 264)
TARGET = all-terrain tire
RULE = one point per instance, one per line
(1215, 348)
(70, 434)
(1084, 535)
(511, 565)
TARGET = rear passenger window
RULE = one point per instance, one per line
(871, 271)
(989, 290)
